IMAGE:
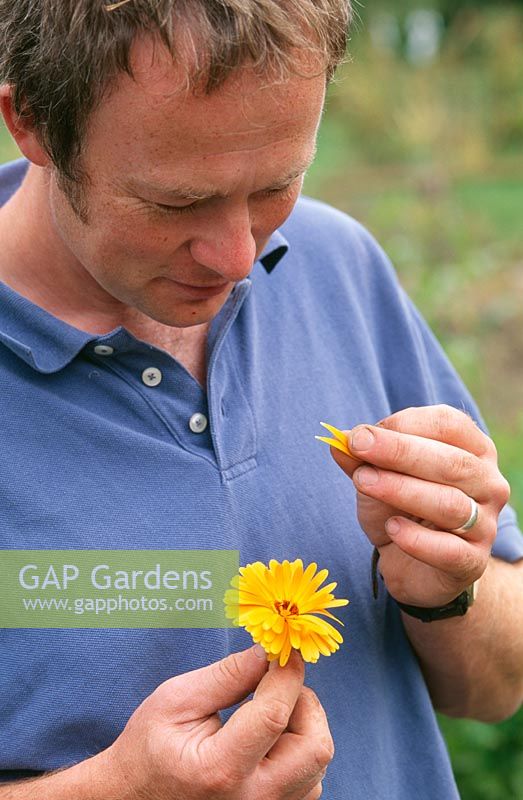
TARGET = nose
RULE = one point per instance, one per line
(226, 245)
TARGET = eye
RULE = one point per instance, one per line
(281, 190)
(166, 209)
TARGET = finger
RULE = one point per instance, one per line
(308, 721)
(443, 423)
(444, 506)
(202, 692)
(456, 559)
(306, 791)
(304, 751)
(309, 717)
(291, 779)
(315, 793)
(427, 459)
(372, 515)
(253, 729)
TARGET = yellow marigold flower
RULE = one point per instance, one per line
(276, 604)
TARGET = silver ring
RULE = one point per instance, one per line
(474, 513)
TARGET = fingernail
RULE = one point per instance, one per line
(259, 651)
(392, 526)
(361, 439)
(366, 476)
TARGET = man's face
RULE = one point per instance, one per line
(186, 190)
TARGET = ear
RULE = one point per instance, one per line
(22, 130)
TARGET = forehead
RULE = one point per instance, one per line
(154, 121)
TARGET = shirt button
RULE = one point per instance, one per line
(103, 350)
(198, 423)
(151, 376)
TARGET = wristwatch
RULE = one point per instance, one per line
(456, 608)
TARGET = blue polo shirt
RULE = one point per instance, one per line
(96, 455)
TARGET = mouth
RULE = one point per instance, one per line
(202, 292)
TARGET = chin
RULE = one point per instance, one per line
(186, 315)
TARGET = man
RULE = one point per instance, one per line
(174, 324)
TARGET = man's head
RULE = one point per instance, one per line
(61, 56)
(176, 134)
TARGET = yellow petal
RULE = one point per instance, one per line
(322, 627)
(258, 583)
(278, 624)
(320, 643)
(308, 649)
(339, 435)
(286, 578)
(336, 602)
(278, 642)
(340, 440)
(331, 616)
(307, 589)
(337, 445)
(316, 604)
(255, 616)
(270, 621)
(256, 630)
(305, 580)
(297, 574)
(285, 653)
(294, 635)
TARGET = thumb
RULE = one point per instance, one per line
(347, 463)
(221, 684)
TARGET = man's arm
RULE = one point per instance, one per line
(473, 665)
(92, 779)
(415, 473)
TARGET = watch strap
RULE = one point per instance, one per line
(456, 608)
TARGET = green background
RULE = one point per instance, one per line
(428, 153)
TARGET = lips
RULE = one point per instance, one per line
(201, 292)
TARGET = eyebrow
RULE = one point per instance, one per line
(193, 194)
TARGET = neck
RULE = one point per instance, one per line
(37, 264)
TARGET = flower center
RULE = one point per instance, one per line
(285, 608)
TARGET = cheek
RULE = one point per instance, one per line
(267, 218)
(112, 234)
(138, 237)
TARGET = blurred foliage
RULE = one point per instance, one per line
(448, 8)
(429, 155)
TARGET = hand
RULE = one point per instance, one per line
(275, 746)
(421, 466)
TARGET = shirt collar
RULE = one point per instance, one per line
(42, 340)
(274, 251)
(48, 344)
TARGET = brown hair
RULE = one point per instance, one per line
(60, 56)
